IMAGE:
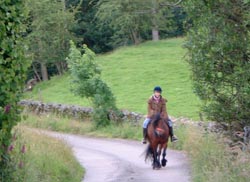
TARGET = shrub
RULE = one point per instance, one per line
(13, 67)
(86, 82)
(219, 56)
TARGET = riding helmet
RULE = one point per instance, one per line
(157, 89)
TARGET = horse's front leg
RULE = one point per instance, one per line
(154, 158)
(164, 160)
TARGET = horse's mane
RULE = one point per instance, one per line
(156, 119)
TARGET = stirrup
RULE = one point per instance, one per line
(174, 139)
(144, 141)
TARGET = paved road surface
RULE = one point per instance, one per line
(115, 160)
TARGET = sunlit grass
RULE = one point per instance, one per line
(46, 159)
(132, 72)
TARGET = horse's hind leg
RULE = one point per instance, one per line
(164, 160)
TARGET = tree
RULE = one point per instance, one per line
(50, 33)
(88, 30)
(131, 23)
(86, 82)
(219, 56)
(121, 15)
(131, 18)
(13, 67)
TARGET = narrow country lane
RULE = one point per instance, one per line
(116, 160)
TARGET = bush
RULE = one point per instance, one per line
(219, 56)
(86, 82)
(13, 67)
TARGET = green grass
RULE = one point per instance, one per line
(45, 159)
(52, 122)
(132, 72)
(212, 160)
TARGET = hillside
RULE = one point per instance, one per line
(132, 72)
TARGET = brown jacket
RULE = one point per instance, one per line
(154, 107)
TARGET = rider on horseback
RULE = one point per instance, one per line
(157, 104)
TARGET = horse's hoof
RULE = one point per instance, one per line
(158, 167)
(163, 162)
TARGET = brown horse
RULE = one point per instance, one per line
(158, 134)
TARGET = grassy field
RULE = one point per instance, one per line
(39, 158)
(132, 72)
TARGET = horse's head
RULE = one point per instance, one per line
(156, 118)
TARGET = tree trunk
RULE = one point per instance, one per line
(59, 68)
(155, 26)
(36, 73)
(44, 72)
(155, 34)
(135, 37)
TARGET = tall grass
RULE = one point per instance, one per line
(211, 159)
(40, 158)
(58, 123)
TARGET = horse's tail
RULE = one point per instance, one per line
(149, 153)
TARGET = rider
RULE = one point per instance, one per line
(157, 104)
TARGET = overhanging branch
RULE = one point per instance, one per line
(171, 4)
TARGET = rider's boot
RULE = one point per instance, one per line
(173, 137)
(144, 140)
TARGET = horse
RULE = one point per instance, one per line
(158, 135)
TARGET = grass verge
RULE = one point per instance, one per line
(52, 122)
(211, 159)
(40, 158)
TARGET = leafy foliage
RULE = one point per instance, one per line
(13, 67)
(123, 17)
(86, 82)
(49, 33)
(219, 56)
(88, 30)
(133, 20)
(109, 24)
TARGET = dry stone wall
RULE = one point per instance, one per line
(74, 111)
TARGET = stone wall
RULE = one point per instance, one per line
(74, 111)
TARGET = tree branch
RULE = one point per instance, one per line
(143, 11)
(170, 4)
